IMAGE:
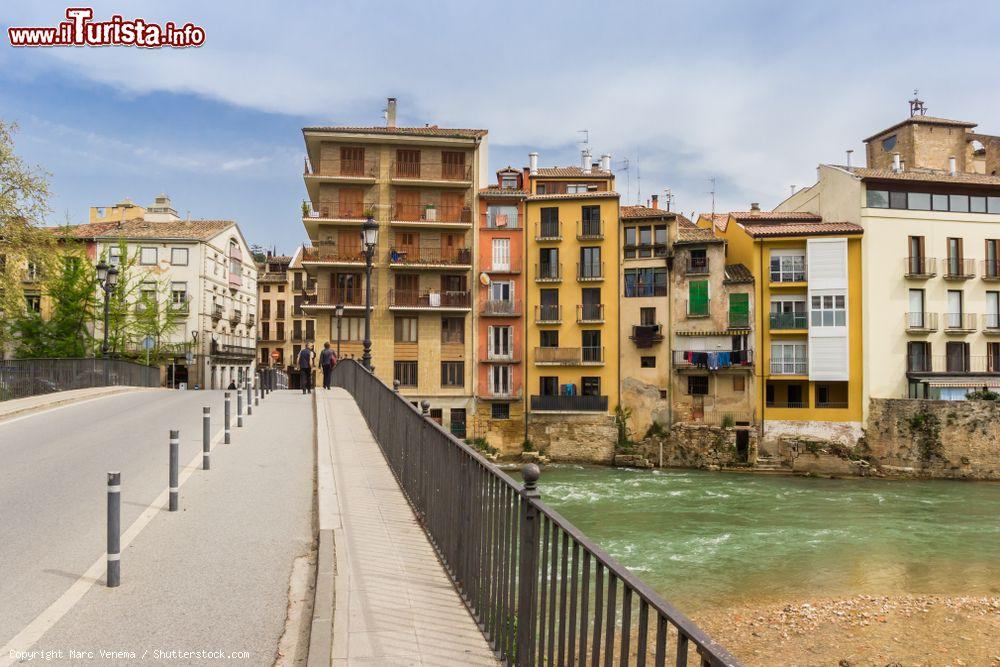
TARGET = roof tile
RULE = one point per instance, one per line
(428, 131)
(200, 230)
(802, 229)
(737, 274)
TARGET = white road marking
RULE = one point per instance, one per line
(42, 623)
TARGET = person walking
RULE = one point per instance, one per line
(305, 369)
(326, 358)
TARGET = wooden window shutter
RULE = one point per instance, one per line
(698, 297)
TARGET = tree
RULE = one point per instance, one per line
(24, 194)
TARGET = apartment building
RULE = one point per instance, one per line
(283, 289)
(712, 332)
(500, 312)
(419, 184)
(806, 320)
(572, 288)
(203, 267)
(929, 203)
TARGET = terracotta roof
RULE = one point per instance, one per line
(634, 212)
(569, 172)
(497, 191)
(688, 232)
(802, 229)
(737, 274)
(718, 220)
(924, 176)
(922, 120)
(429, 131)
(773, 216)
(198, 230)
(576, 195)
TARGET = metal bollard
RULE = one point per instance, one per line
(114, 529)
(175, 443)
(206, 437)
(249, 397)
(239, 409)
(225, 426)
(256, 392)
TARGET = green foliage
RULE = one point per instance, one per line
(527, 445)
(728, 421)
(305, 209)
(624, 443)
(655, 430)
(482, 446)
(983, 394)
(926, 429)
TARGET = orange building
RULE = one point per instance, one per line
(500, 306)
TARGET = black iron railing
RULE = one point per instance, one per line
(541, 590)
(30, 377)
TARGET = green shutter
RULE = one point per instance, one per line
(739, 310)
(698, 297)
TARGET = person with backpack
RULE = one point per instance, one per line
(305, 369)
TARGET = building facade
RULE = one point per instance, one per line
(419, 184)
(284, 288)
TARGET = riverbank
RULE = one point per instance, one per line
(861, 631)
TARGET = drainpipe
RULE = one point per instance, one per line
(759, 344)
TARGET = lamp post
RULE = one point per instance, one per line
(369, 241)
(107, 278)
(339, 312)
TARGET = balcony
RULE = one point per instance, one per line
(569, 356)
(235, 317)
(589, 271)
(698, 309)
(431, 215)
(695, 266)
(347, 170)
(511, 265)
(328, 299)
(333, 254)
(548, 231)
(793, 405)
(569, 403)
(590, 230)
(508, 356)
(415, 257)
(959, 323)
(250, 320)
(182, 308)
(454, 174)
(955, 363)
(216, 313)
(499, 221)
(788, 321)
(548, 314)
(785, 367)
(956, 268)
(919, 268)
(712, 360)
(429, 300)
(500, 308)
(991, 270)
(646, 335)
(921, 322)
(489, 392)
(991, 324)
(234, 347)
(342, 211)
(590, 313)
(548, 273)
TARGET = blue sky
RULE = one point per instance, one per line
(753, 94)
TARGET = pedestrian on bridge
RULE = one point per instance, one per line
(305, 369)
(327, 358)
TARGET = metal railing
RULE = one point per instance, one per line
(712, 359)
(399, 298)
(501, 308)
(548, 231)
(434, 171)
(365, 167)
(551, 313)
(590, 270)
(539, 588)
(413, 256)
(920, 267)
(782, 321)
(332, 252)
(574, 403)
(957, 268)
(569, 356)
(959, 321)
(991, 269)
(402, 212)
(590, 312)
(548, 272)
(991, 322)
(781, 367)
(954, 363)
(511, 265)
(697, 265)
(921, 321)
(31, 377)
(510, 355)
(344, 210)
(590, 230)
(643, 290)
(501, 221)
(350, 297)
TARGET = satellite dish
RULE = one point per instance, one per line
(484, 279)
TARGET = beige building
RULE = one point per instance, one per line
(283, 290)
(419, 184)
(929, 203)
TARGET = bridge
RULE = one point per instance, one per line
(413, 549)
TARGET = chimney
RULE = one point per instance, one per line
(585, 161)
(606, 163)
(390, 112)
(754, 207)
(952, 169)
(849, 151)
(897, 165)
(533, 163)
(656, 202)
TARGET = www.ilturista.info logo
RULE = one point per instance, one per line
(79, 30)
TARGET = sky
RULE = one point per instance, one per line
(752, 94)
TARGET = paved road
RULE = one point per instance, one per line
(213, 576)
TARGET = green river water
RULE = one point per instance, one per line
(707, 539)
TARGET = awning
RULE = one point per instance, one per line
(724, 332)
(969, 384)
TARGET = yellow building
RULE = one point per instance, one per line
(808, 322)
(283, 289)
(571, 302)
(419, 184)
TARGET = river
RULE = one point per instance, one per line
(709, 540)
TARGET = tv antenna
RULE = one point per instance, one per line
(586, 137)
(712, 192)
(668, 198)
(625, 165)
(917, 105)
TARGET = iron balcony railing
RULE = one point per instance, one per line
(332, 252)
(570, 356)
(548, 231)
(569, 403)
(345, 210)
(991, 323)
(428, 299)
(590, 313)
(959, 322)
(501, 308)
(548, 314)
(589, 271)
(795, 405)
(447, 213)
(414, 256)
(501, 221)
(590, 230)
(697, 265)
(646, 335)
(726, 418)
(349, 297)
(548, 272)
(991, 269)
(921, 322)
(952, 363)
(784, 321)
(541, 591)
(20, 378)
(712, 359)
(366, 167)
(920, 267)
(958, 268)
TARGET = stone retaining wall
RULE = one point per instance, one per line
(573, 437)
(697, 446)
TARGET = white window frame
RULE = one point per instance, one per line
(831, 310)
(786, 265)
(789, 358)
(142, 255)
(174, 253)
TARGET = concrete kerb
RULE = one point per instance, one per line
(321, 634)
(20, 407)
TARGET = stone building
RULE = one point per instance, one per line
(284, 288)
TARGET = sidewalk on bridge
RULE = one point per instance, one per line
(394, 604)
(21, 406)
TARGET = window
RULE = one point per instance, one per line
(296, 305)
(500, 410)
(956, 357)
(147, 256)
(698, 385)
(590, 263)
(548, 338)
(178, 293)
(590, 386)
(629, 242)
(499, 342)
(351, 328)
(739, 383)
(647, 362)
(590, 221)
(405, 372)
(992, 310)
(406, 329)
(645, 241)
(993, 204)
(918, 357)
(698, 298)
(115, 255)
(916, 316)
(958, 203)
(878, 199)
(897, 200)
(502, 217)
(789, 359)
(501, 254)
(955, 309)
(452, 329)
(916, 262)
(352, 161)
(280, 326)
(647, 317)
(508, 182)
(919, 201)
(550, 223)
(500, 380)
(548, 385)
(265, 331)
(279, 310)
(646, 282)
(829, 311)
(33, 302)
(991, 267)
(699, 261)
(452, 373)
(453, 165)
(267, 288)
(408, 163)
(179, 256)
(592, 349)
(955, 257)
(548, 263)
(788, 313)
(548, 308)
(788, 267)
(739, 309)
(889, 142)
(939, 202)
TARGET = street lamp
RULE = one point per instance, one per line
(107, 277)
(339, 312)
(369, 240)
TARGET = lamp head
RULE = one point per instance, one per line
(102, 271)
(112, 276)
(369, 234)
(339, 311)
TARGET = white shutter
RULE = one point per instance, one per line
(826, 263)
(828, 359)
(501, 254)
(826, 268)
